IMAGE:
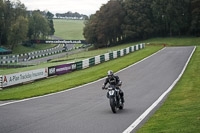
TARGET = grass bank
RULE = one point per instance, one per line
(175, 41)
(75, 78)
(69, 29)
(180, 113)
(20, 49)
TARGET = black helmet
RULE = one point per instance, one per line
(110, 73)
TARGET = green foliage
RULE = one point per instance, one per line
(51, 26)
(17, 24)
(49, 15)
(104, 28)
(142, 19)
(195, 13)
(11, 15)
(38, 26)
(19, 31)
(138, 20)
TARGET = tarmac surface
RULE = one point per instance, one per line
(86, 109)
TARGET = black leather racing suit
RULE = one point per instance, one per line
(114, 80)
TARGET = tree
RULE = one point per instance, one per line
(2, 9)
(89, 30)
(19, 30)
(51, 26)
(171, 17)
(71, 15)
(138, 19)
(104, 27)
(195, 20)
(7, 20)
(49, 15)
(38, 26)
(9, 13)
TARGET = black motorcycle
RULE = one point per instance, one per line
(115, 98)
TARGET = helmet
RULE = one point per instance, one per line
(110, 73)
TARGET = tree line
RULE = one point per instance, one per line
(18, 25)
(131, 20)
(71, 15)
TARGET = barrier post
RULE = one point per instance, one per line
(1, 82)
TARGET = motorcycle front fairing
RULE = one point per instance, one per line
(111, 91)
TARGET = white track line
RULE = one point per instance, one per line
(139, 119)
(8, 103)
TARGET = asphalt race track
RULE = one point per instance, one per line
(86, 109)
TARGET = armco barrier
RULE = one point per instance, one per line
(86, 63)
(27, 56)
(102, 58)
(110, 56)
(114, 54)
(121, 52)
(79, 65)
(118, 54)
(127, 50)
(92, 61)
(97, 60)
(107, 56)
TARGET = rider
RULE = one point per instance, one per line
(114, 80)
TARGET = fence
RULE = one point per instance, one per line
(107, 56)
(32, 55)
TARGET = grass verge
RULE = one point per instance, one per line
(20, 49)
(180, 113)
(76, 78)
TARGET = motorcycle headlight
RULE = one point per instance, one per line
(111, 92)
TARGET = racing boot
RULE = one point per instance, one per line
(122, 98)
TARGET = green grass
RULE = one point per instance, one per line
(78, 45)
(175, 41)
(69, 29)
(22, 49)
(75, 78)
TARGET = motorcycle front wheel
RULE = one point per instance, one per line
(112, 105)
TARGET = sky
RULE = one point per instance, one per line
(86, 7)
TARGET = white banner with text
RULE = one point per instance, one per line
(17, 78)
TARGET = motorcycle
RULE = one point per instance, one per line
(115, 99)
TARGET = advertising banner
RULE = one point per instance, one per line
(59, 41)
(17, 78)
(61, 69)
